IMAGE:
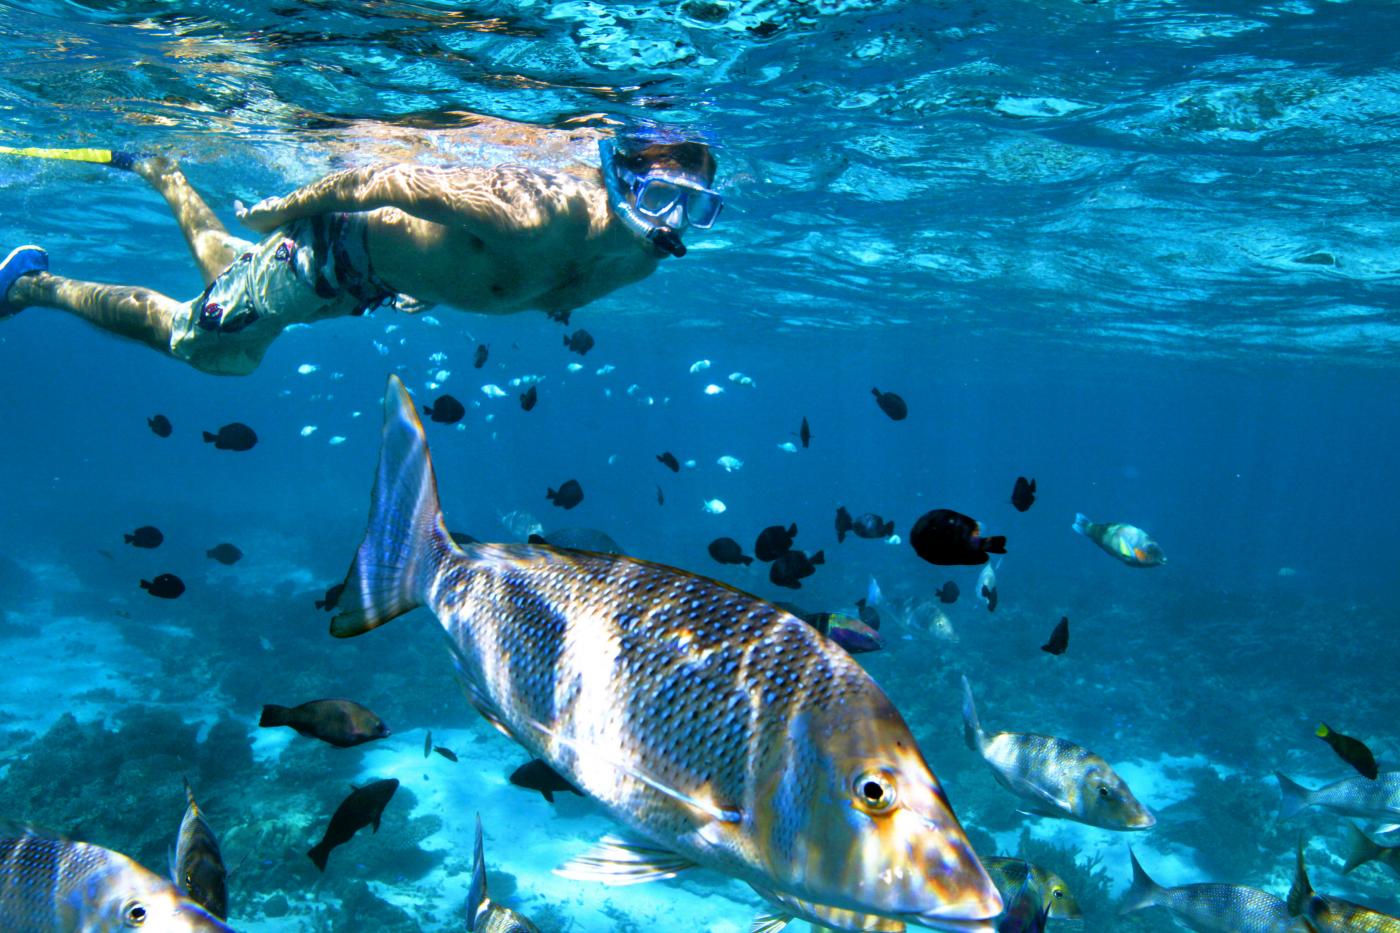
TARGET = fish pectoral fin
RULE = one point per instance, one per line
(710, 807)
(822, 916)
(617, 862)
(770, 923)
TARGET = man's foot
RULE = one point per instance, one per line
(23, 260)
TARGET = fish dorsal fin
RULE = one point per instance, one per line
(477, 901)
(617, 862)
(717, 811)
(770, 923)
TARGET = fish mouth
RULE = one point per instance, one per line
(1145, 820)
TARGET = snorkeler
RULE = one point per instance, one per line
(494, 240)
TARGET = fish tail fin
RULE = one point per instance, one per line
(1143, 892)
(1081, 523)
(405, 541)
(318, 854)
(792, 530)
(745, 559)
(972, 727)
(995, 544)
(209, 438)
(1293, 797)
(476, 894)
(274, 715)
(550, 493)
(146, 584)
(129, 538)
(1360, 849)
(818, 558)
(1300, 894)
(428, 410)
(843, 524)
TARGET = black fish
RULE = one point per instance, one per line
(660, 496)
(226, 554)
(482, 351)
(948, 593)
(580, 341)
(447, 753)
(362, 808)
(534, 538)
(165, 586)
(159, 425)
(147, 536)
(790, 567)
(1059, 638)
(428, 744)
(342, 723)
(728, 551)
(332, 597)
(891, 405)
(462, 538)
(947, 537)
(529, 397)
(990, 595)
(1023, 496)
(868, 526)
(669, 459)
(536, 775)
(1353, 751)
(774, 541)
(232, 436)
(446, 410)
(805, 433)
(566, 496)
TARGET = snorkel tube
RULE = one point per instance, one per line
(665, 240)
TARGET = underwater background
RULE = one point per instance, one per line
(1144, 252)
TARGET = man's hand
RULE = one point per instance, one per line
(264, 217)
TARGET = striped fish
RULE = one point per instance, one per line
(199, 865)
(1355, 796)
(1057, 778)
(53, 885)
(482, 915)
(726, 732)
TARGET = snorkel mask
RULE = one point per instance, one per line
(656, 198)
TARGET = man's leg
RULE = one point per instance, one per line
(138, 313)
(213, 247)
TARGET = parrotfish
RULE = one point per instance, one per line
(1056, 777)
(199, 865)
(1008, 874)
(1227, 908)
(723, 731)
(482, 915)
(1354, 796)
(53, 885)
(1128, 543)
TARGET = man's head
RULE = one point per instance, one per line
(659, 189)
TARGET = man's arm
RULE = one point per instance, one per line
(488, 201)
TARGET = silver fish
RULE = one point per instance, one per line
(1226, 908)
(1057, 778)
(727, 732)
(53, 885)
(1330, 915)
(1362, 849)
(1354, 796)
(482, 915)
(199, 865)
(1128, 543)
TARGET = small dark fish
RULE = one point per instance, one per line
(482, 351)
(159, 425)
(791, 567)
(948, 593)
(947, 537)
(536, 775)
(232, 436)
(199, 865)
(534, 538)
(342, 723)
(566, 496)
(891, 405)
(774, 541)
(529, 397)
(332, 597)
(1059, 638)
(805, 433)
(106, 553)
(728, 551)
(165, 586)
(660, 496)
(447, 753)
(1023, 496)
(580, 341)
(226, 554)
(561, 317)
(1353, 751)
(428, 744)
(147, 536)
(462, 538)
(362, 808)
(446, 410)
(670, 461)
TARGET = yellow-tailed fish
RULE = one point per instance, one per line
(1054, 776)
(199, 865)
(1330, 915)
(482, 915)
(727, 733)
(53, 885)
(1009, 874)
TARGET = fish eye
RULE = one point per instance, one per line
(1057, 892)
(874, 790)
(134, 914)
(1103, 790)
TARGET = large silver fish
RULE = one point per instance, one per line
(53, 885)
(1056, 778)
(728, 733)
(1354, 796)
(1330, 915)
(199, 865)
(1211, 908)
(482, 915)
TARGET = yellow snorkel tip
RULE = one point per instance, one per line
(113, 157)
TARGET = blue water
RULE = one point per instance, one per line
(1142, 251)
